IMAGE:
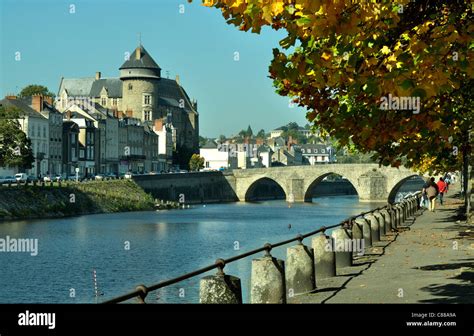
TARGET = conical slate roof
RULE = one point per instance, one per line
(144, 60)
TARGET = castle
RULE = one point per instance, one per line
(140, 93)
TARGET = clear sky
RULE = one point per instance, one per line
(197, 45)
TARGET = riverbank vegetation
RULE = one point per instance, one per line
(72, 199)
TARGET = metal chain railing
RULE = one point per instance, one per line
(141, 291)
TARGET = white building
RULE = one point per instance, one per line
(317, 153)
(276, 133)
(36, 128)
(215, 158)
(265, 154)
(165, 144)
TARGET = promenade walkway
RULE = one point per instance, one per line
(431, 260)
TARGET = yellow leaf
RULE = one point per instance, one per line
(385, 50)
(326, 56)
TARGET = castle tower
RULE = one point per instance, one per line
(139, 75)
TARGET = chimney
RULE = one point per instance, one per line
(138, 53)
(130, 113)
(120, 114)
(10, 96)
(158, 124)
(97, 75)
(68, 115)
(177, 79)
(48, 99)
(37, 103)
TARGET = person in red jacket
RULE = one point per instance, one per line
(443, 188)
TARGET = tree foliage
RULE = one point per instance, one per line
(15, 147)
(261, 134)
(196, 162)
(340, 58)
(35, 89)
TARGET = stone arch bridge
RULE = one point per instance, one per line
(372, 183)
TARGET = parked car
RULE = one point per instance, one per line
(72, 177)
(21, 178)
(99, 177)
(9, 179)
(33, 178)
(111, 175)
(128, 175)
(47, 178)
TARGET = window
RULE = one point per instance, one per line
(130, 86)
(114, 102)
(44, 131)
(147, 99)
(147, 115)
(323, 151)
(104, 101)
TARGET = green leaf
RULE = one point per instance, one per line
(406, 84)
(419, 92)
(303, 21)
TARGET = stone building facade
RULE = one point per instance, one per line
(140, 93)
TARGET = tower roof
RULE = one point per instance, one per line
(140, 59)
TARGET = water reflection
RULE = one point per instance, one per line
(162, 245)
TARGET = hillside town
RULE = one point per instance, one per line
(289, 145)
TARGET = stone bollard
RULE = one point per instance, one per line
(403, 214)
(396, 210)
(324, 257)
(299, 270)
(374, 227)
(366, 232)
(220, 288)
(343, 253)
(416, 201)
(388, 220)
(381, 221)
(267, 280)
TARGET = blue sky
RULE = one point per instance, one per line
(197, 45)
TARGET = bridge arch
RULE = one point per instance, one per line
(265, 188)
(308, 193)
(394, 190)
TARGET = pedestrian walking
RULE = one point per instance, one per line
(431, 192)
(442, 188)
(424, 196)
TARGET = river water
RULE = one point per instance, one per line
(127, 249)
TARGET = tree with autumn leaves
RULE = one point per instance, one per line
(341, 57)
